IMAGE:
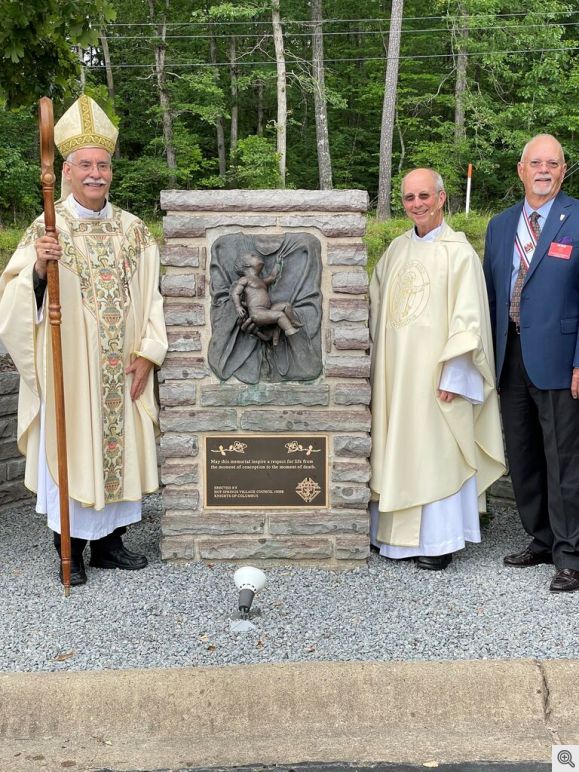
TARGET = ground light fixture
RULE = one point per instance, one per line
(248, 581)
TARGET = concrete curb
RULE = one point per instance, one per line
(266, 714)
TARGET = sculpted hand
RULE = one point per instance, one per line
(446, 396)
(575, 383)
(47, 248)
(140, 368)
(249, 327)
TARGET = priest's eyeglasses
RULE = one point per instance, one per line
(85, 166)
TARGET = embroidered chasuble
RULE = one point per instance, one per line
(428, 305)
(111, 311)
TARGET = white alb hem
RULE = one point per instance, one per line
(445, 526)
(85, 522)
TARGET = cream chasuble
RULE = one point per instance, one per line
(111, 311)
(428, 306)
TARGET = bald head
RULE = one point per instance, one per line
(544, 140)
(419, 173)
(423, 198)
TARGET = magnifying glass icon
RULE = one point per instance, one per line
(565, 757)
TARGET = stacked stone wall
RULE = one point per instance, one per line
(194, 401)
(12, 488)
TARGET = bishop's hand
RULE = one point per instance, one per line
(47, 248)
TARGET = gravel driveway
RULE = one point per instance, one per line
(173, 615)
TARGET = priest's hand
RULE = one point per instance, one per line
(47, 248)
(140, 368)
(446, 396)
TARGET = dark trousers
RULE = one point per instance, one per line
(77, 545)
(542, 438)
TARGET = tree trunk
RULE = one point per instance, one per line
(219, 121)
(82, 74)
(259, 127)
(164, 101)
(107, 61)
(402, 147)
(281, 89)
(110, 79)
(383, 211)
(320, 106)
(460, 35)
(234, 95)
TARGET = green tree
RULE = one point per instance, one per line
(255, 164)
(36, 44)
(19, 167)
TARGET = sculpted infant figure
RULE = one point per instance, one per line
(250, 297)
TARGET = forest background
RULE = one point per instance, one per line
(274, 93)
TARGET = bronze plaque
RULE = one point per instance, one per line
(266, 471)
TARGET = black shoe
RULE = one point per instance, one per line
(565, 580)
(116, 556)
(77, 572)
(527, 558)
(434, 562)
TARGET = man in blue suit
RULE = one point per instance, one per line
(531, 267)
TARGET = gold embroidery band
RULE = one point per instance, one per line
(86, 140)
(104, 272)
(86, 119)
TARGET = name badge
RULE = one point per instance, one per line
(562, 251)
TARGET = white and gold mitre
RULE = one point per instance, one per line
(84, 124)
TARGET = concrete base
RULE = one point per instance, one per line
(321, 712)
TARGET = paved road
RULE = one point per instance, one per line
(526, 766)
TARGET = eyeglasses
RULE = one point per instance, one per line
(536, 164)
(410, 197)
(86, 166)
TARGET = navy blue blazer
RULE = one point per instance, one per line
(549, 298)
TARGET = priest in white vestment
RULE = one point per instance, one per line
(113, 334)
(436, 435)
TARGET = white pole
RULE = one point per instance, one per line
(468, 183)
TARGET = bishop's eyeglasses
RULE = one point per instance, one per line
(85, 166)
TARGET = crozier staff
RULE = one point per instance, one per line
(46, 121)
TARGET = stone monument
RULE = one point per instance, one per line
(264, 392)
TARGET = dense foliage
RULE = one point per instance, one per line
(38, 40)
(477, 78)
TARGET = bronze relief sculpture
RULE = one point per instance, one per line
(266, 307)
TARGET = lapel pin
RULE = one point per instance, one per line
(561, 218)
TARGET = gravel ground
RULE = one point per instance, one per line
(178, 615)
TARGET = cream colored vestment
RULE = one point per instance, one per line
(428, 305)
(112, 310)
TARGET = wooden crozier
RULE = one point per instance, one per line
(47, 179)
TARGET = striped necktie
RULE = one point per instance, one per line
(515, 308)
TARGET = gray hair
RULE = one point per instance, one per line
(438, 181)
(542, 136)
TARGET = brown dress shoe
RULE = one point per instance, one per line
(565, 580)
(527, 558)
